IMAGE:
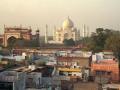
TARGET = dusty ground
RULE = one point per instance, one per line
(85, 86)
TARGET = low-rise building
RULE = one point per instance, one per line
(69, 61)
(111, 87)
(12, 80)
(106, 69)
(78, 67)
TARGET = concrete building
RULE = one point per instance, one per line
(111, 87)
(12, 80)
(78, 67)
(108, 69)
(69, 61)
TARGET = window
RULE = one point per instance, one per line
(59, 39)
(66, 35)
(109, 73)
(59, 35)
(72, 35)
(100, 72)
(74, 74)
(6, 86)
(69, 74)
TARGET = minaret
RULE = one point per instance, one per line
(54, 33)
(46, 34)
(78, 35)
(20, 25)
(88, 31)
(4, 27)
(84, 31)
(38, 37)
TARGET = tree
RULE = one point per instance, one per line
(69, 42)
(20, 42)
(113, 43)
(11, 41)
(98, 39)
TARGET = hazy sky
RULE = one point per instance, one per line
(37, 13)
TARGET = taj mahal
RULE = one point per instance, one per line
(67, 31)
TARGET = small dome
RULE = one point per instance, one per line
(68, 23)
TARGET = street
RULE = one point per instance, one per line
(85, 86)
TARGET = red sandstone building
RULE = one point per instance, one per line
(16, 32)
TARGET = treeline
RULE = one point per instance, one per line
(103, 39)
(21, 42)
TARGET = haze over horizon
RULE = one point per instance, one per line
(38, 13)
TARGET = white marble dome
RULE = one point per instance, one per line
(68, 23)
